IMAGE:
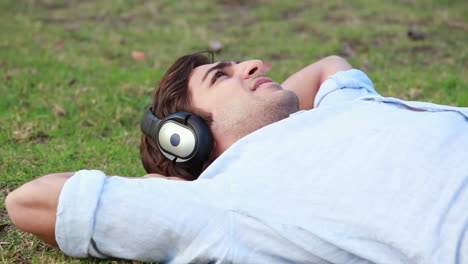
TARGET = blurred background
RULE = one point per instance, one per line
(75, 76)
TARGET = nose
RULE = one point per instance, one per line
(253, 68)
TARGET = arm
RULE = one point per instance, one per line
(32, 206)
(306, 82)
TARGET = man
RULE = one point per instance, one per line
(238, 107)
(359, 178)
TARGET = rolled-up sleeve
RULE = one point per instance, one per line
(75, 212)
(344, 86)
(146, 219)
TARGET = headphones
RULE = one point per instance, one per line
(181, 137)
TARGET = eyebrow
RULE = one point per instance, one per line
(221, 65)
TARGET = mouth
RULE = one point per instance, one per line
(260, 81)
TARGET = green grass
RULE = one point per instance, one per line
(71, 93)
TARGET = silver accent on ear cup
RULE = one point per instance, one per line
(168, 156)
(187, 142)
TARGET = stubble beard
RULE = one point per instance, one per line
(241, 121)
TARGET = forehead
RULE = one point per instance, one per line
(197, 74)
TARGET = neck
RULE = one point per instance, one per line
(221, 145)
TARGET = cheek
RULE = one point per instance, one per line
(211, 102)
(227, 94)
(201, 102)
(231, 88)
(233, 100)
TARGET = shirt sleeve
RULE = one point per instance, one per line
(146, 219)
(344, 86)
(79, 197)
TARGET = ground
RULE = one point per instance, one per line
(75, 76)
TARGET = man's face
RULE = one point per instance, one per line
(239, 97)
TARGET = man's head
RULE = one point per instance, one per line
(239, 98)
(234, 99)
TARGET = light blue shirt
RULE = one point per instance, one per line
(359, 179)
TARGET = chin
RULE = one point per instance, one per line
(281, 104)
(266, 93)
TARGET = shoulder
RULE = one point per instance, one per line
(344, 86)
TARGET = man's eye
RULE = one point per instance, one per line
(217, 75)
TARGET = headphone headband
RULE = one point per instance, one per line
(149, 123)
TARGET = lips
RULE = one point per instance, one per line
(260, 81)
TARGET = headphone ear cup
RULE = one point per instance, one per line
(185, 139)
(204, 145)
(181, 137)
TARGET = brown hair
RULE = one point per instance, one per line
(172, 96)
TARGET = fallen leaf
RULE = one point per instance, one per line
(414, 93)
(71, 82)
(81, 90)
(110, 54)
(2, 226)
(17, 256)
(216, 45)
(458, 24)
(59, 147)
(415, 34)
(348, 51)
(59, 110)
(87, 123)
(22, 134)
(59, 44)
(40, 137)
(139, 56)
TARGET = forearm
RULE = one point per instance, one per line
(32, 207)
(306, 82)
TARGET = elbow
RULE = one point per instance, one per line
(34, 200)
(23, 213)
(338, 61)
(16, 206)
(334, 57)
(333, 64)
(22, 204)
(33, 206)
(11, 204)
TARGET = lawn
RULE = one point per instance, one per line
(72, 93)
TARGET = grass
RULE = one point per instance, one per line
(71, 93)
